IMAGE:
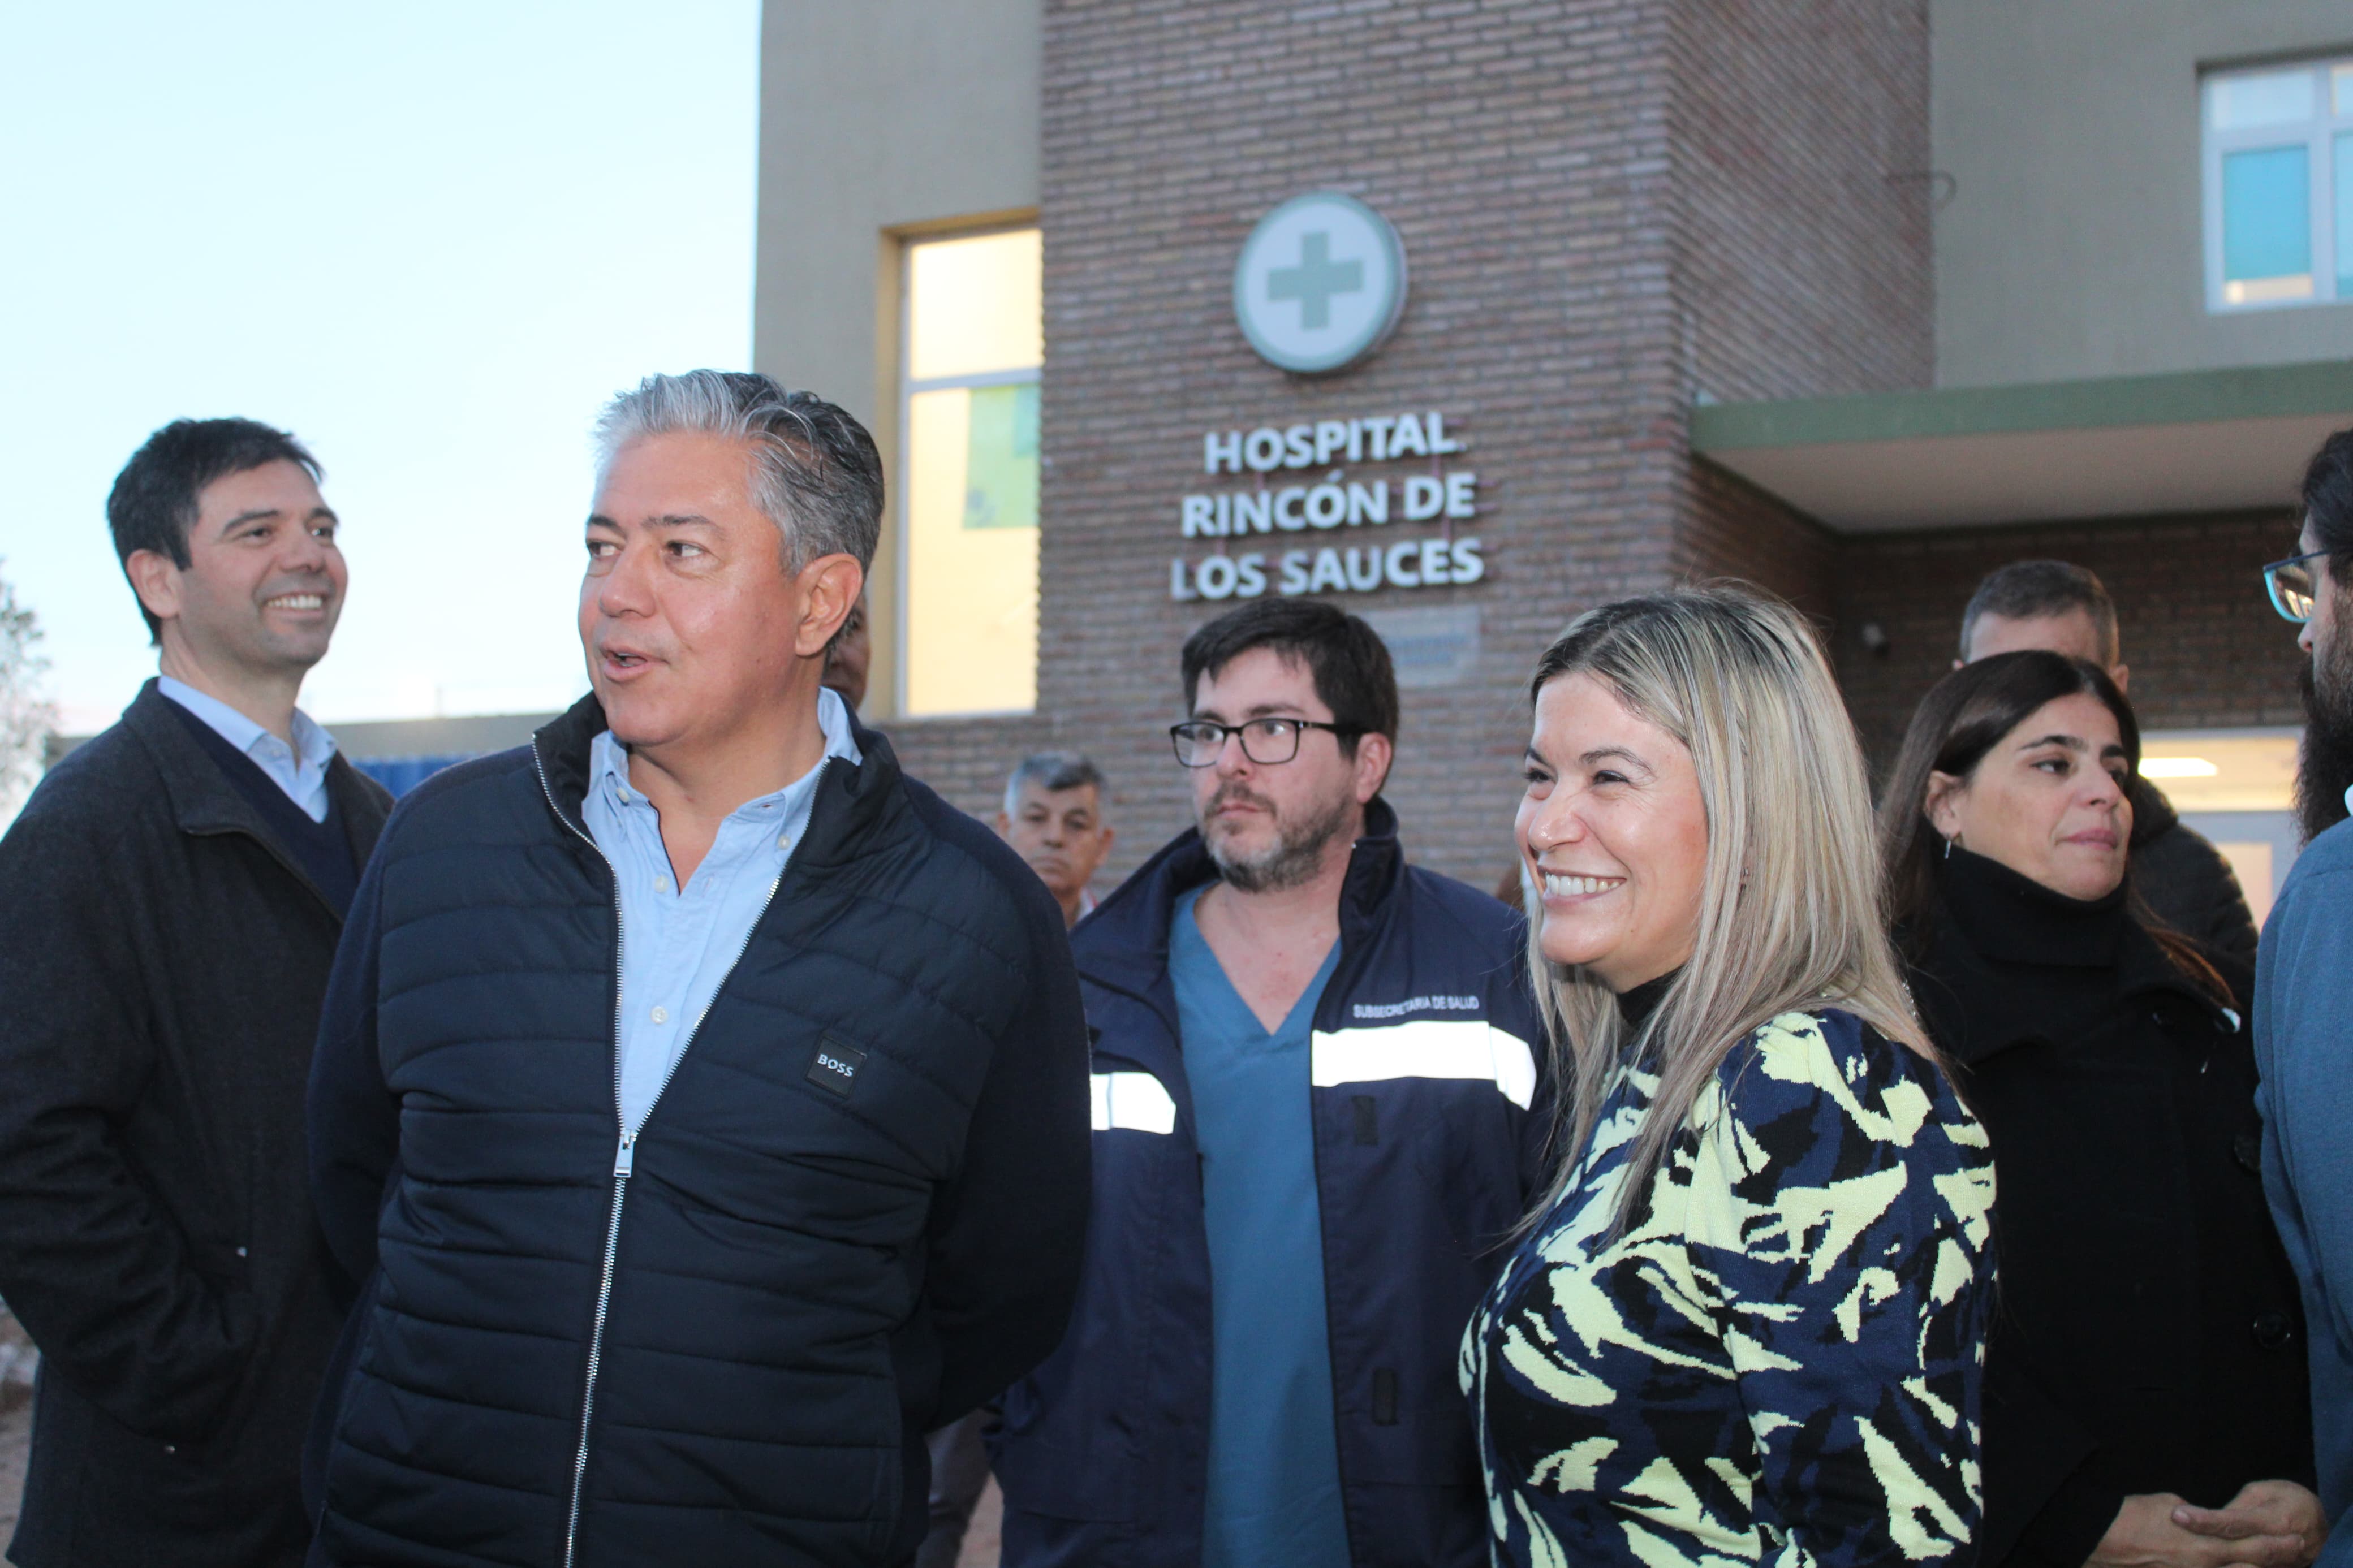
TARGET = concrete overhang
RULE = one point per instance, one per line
(2216, 440)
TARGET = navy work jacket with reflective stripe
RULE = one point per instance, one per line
(1429, 1102)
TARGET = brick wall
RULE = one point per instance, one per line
(967, 761)
(1609, 206)
(1732, 529)
(1803, 254)
(2202, 642)
(1522, 152)
(1803, 263)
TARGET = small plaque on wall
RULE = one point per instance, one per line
(1435, 645)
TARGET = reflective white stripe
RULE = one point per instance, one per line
(1136, 1102)
(1427, 1047)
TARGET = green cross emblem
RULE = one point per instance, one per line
(1315, 279)
(1346, 306)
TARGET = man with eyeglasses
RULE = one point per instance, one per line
(2304, 983)
(1314, 1067)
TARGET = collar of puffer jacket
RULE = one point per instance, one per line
(861, 790)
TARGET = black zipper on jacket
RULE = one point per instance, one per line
(620, 1176)
(624, 1153)
(1176, 1036)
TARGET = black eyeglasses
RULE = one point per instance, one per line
(2291, 586)
(1266, 741)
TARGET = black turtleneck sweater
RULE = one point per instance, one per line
(1637, 1006)
(2147, 1337)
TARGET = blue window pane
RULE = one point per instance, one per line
(2267, 213)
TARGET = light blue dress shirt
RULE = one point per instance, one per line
(300, 769)
(678, 943)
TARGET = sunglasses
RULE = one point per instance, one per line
(2292, 583)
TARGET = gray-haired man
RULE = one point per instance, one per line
(703, 1100)
(1053, 817)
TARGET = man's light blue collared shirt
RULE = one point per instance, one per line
(678, 944)
(300, 769)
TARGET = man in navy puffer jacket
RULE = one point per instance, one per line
(1318, 1112)
(702, 1101)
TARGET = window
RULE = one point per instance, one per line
(2279, 185)
(973, 341)
(2238, 788)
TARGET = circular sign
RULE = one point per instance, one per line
(1320, 282)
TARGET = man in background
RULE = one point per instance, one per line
(2183, 879)
(1053, 817)
(2304, 986)
(1317, 1119)
(846, 662)
(170, 902)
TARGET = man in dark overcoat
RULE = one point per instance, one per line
(170, 902)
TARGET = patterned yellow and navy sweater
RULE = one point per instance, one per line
(1779, 1361)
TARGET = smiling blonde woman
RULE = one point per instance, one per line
(1747, 1323)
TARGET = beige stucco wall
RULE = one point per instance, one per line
(2070, 246)
(879, 118)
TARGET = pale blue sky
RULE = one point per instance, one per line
(430, 239)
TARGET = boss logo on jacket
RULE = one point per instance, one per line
(835, 1070)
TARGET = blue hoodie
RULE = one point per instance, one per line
(2303, 1048)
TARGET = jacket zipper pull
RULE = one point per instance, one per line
(626, 1155)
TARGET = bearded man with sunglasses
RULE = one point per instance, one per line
(1314, 1067)
(2303, 984)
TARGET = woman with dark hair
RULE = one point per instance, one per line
(2145, 1399)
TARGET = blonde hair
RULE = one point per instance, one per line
(1790, 914)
